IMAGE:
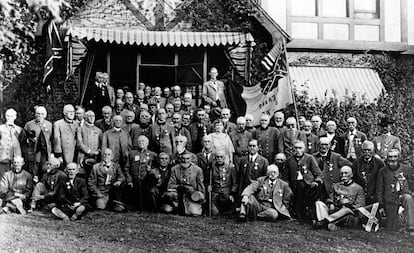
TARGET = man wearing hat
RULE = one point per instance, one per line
(185, 190)
(89, 139)
(106, 182)
(386, 141)
(100, 94)
(268, 198)
(45, 192)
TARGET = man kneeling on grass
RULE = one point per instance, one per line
(341, 206)
(72, 195)
(267, 198)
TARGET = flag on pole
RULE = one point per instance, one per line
(275, 63)
(54, 49)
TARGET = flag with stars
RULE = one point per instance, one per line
(54, 49)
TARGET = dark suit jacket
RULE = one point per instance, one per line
(249, 172)
(337, 144)
(69, 194)
(311, 143)
(205, 165)
(366, 174)
(359, 138)
(331, 168)
(308, 167)
(118, 142)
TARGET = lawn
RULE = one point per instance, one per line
(144, 232)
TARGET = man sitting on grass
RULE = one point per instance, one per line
(15, 188)
(267, 198)
(72, 196)
(341, 206)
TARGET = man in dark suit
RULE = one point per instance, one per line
(251, 167)
(198, 129)
(106, 122)
(305, 179)
(129, 104)
(157, 99)
(317, 128)
(268, 138)
(311, 140)
(229, 127)
(365, 170)
(180, 130)
(267, 198)
(240, 139)
(386, 141)
(288, 136)
(330, 163)
(138, 165)
(100, 94)
(161, 134)
(205, 158)
(352, 140)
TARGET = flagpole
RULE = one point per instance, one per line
(290, 85)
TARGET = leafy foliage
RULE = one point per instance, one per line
(397, 75)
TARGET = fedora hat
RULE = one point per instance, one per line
(385, 121)
(197, 197)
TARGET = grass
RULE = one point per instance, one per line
(144, 232)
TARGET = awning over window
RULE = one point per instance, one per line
(324, 83)
(159, 38)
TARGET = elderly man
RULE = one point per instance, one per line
(198, 129)
(157, 182)
(9, 141)
(229, 127)
(64, 135)
(89, 139)
(161, 135)
(337, 143)
(16, 186)
(144, 123)
(310, 139)
(157, 99)
(106, 122)
(395, 187)
(222, 185)
(352, 140)
(329, 163)
(166, 93)
(118, 141)
(289, 135)
(187, 105)
(72, 196)
(341, 204)
(280, 162)
(181, 148)
(37, 142)
(249, 123)
(120, 109)
(251, 167)
(120, 93)
(180, 130)
(267, 198)
(214, 91)
(317, 128)
(139, 164)
(79, 115)
(365, 170)
(100, 94)
(129, 122)
(268, 138)
(185, 190)
(129, 104)
(240, 139)
(45, 191)
(277, 120)
(176, 94)
(205, 158)
(106, 182)
(386, 140)
(305, 179)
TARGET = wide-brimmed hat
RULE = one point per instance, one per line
(197, 197)
(385, 121)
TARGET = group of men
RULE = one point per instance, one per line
(153, 151)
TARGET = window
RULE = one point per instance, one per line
(304, 8)
(334, 8)
(367, 9)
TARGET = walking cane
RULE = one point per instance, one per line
(210, 188)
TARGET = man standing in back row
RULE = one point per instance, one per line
(213, 93)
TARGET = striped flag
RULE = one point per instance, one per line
(275, 63)
(77, 51)
(54, 49)
(238, 56)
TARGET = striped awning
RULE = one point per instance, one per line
(325, 83)
(159, 38)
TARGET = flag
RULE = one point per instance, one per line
(239, 56)
(271, 94)
(77, 50)
(54, 49)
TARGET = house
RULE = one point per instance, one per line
(343, 30)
